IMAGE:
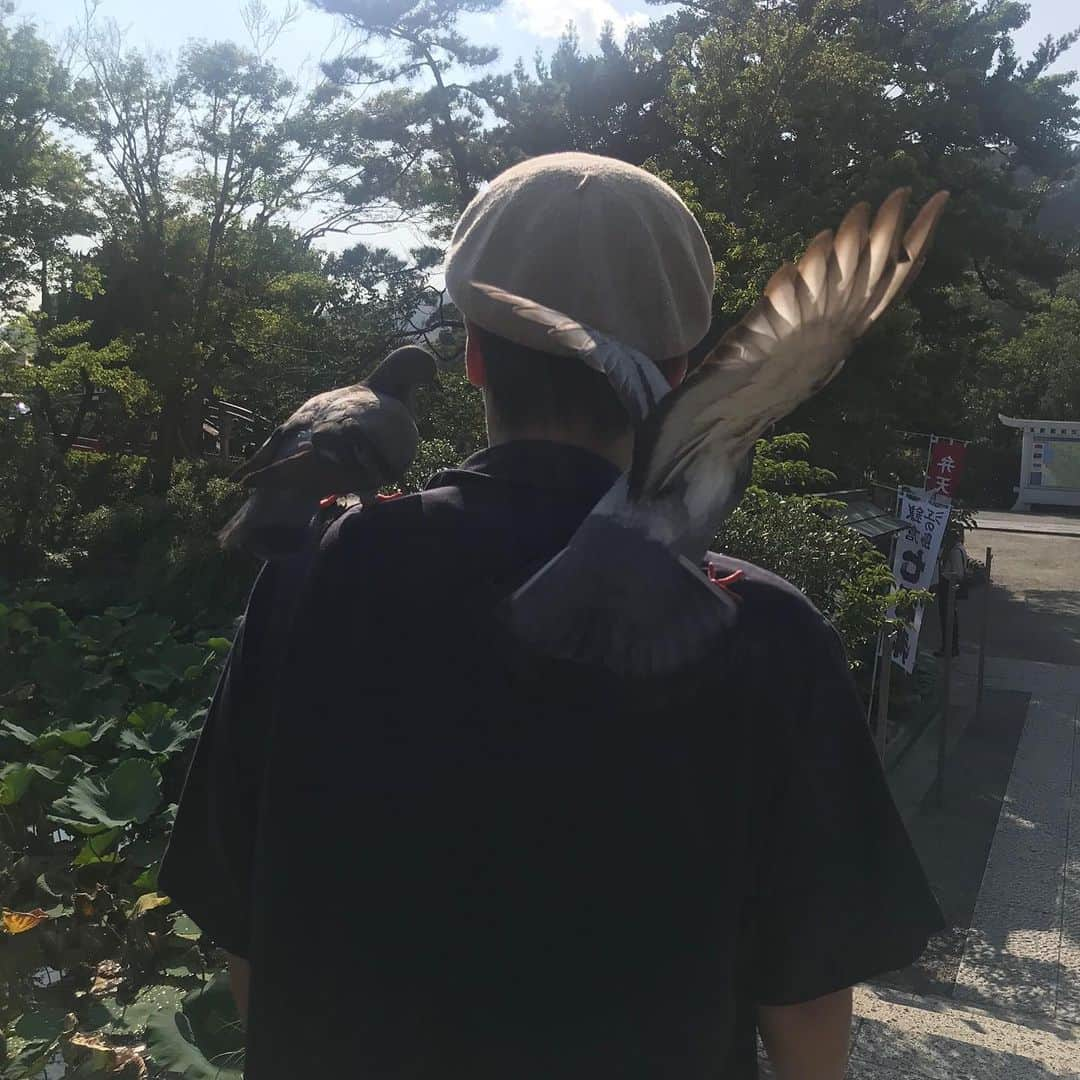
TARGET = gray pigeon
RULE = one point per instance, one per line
(354, 440)
(629, 592)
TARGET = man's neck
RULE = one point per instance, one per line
(618, 451)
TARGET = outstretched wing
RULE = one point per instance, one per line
(638, 382)
(792, 343)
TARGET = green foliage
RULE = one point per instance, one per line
(203, 1040)
(418, 123)
(772, 119)
(95, 718)
(781, 464)
(46, 184)
(137, 544)
(453, 411)
(800, 538)
(126, 796)
(66, 363)
(1038, 371)
(804, 539)
(218, 175)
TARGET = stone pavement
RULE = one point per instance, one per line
(1012, 1009)
(1035, 602)
(1023, 947)
(997, 996)
(1045, 524)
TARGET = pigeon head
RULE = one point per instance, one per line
(399, 375)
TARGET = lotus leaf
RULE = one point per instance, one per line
(129, 794)
(203, 1041)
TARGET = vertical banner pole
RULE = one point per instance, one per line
(946, 653)
(878, 653)
(982, 636)
(883, 694)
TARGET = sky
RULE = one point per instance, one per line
(518, 29)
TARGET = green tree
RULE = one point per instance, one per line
(45, 184)
(1038, 371)
(427, 152)
(608, 102)
(791, 112)
(772, 119)
(802, 537)
(207, 267)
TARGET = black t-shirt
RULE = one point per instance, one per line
(443, 866)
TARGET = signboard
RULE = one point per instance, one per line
(906, 642)
(946, 467)
(1055, 463)
(917, 549)
(1049, 463)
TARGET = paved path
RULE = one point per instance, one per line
(1023, 947)
(1046, 524)
(1011, 1010)
(1035, 601)
(996, 997)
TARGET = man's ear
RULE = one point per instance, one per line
(674, 370)
(474, 362)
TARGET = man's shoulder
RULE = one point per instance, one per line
(771, 606)
(361, 524)
(427, 528)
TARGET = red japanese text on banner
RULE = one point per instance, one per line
(946, 467)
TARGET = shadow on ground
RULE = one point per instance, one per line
(1034, 611)
(953, 840)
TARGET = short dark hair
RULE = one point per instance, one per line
(527, 386)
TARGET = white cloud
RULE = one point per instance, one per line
(548, 18)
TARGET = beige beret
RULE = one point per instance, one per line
(604, 242)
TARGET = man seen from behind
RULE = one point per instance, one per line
(434, 857)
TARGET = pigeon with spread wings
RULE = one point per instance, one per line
(352, 440)
(628, 592)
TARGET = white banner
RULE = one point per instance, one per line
(917, 549)
(906, 642)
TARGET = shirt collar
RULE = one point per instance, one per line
(539, 464)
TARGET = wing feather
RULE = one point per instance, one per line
(847, 249)
(912, 254)
(783, 312)
(813, 275)
(793, 342)
(851, 238)
(886, 233)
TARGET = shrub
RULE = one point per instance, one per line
(128, 546)
(803, 538)
(97, 718)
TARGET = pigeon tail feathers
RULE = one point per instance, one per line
(616, 599)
